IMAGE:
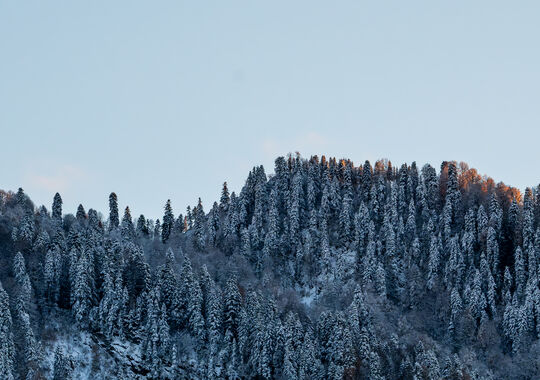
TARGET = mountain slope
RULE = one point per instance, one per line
(321, 270)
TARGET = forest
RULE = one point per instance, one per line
(320, 270)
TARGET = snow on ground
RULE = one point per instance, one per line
(78, 347)
(92, 357)
(309, 296)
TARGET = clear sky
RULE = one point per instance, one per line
(158, 100)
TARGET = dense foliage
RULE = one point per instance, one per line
(322, 270)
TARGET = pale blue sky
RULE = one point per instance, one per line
(158, 100)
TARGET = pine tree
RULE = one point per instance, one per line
(433, 265)
(57, 208)
(142, 226)
(345, 220)
(453, 194)
(214, 318)
(81, 291)
(81, 214)
(213, 225)
(294, 211)
(191, 299)
(520, 272)
(62, 365)
(94, 220)
(293, 334)
(310, 366)
(128, 231)
(225, 198)
(169, 286)
(31, 348)
(476, 298)
(341, 349)
(25, 290)
(232, 307)
(380, 280)
(156, 343)
(168, 222)
(25, 232)
(114, 220)
(456, 306)
(52, 272)
(157, 229)
(198, 226)
(366, 180)
(7, 350)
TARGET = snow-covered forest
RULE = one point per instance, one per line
(322, 270)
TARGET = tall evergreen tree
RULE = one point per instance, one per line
(114, 219)
(62, 366)
(168, 222)
(7, 350)
(225, 198)
(57, 207)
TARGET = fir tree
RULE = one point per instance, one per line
(62, 366)
(142, 226)
(7, 350)
(198, 226)
(127, 230)
(81, 214)
(232, 306)
(57, 207)
(114, 220)
(168, 222)
(225, 198)
(156, 343)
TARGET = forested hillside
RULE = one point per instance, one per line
(322, 270)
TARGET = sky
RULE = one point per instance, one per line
(167, 100)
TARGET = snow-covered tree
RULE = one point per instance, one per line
(7, 349)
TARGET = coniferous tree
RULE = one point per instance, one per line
(232, 307)
(114, 220)
(127, 230)
(156, 343)
(57, 207)
(225, 198)
(199, 226)
(31, 349)
(81, 214)
(52, 272)
(81, 287)
(168, 222)
(170, 292)
(7, 350)
(62, 366)
(25, 290)
(142, 226)
(157, 229)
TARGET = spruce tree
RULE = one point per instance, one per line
(57, 208)
(62, 366)
(225, 198)
(142, 226)
(156, 343)
(170, 291)
(199, 226)
(128, 231)
(232, 306)
(168, 222)
(81, 214)
(25, 290)
(114, 220)
(7, 349)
